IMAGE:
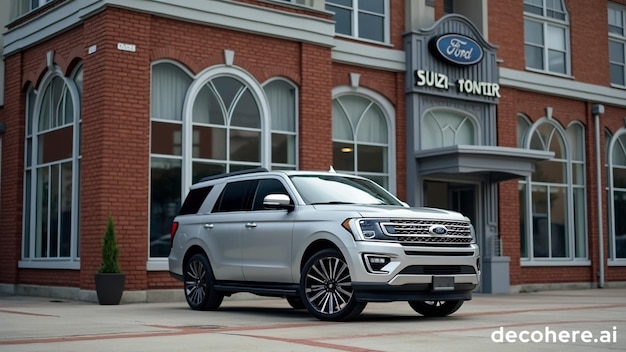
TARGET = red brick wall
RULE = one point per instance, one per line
(506, 30)
(11, 185)
(588, 37)
(116, 121)
(588, 47)
(565, 111)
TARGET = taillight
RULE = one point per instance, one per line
(173, 233)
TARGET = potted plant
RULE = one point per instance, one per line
(110, 279)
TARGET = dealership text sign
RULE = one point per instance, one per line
(437, 80)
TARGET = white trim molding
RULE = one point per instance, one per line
(224, 14)
(568, 88)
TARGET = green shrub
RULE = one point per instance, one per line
(110, 251)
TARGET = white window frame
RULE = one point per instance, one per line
(621, 39)
(354, 30)
(550, 22)
(73, 261)
(612, 260)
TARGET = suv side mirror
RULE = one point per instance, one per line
(278, 201)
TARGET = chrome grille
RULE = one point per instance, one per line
(416, 231)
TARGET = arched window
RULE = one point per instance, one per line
(226, 131)
(552, 200)
(52, 169)
(617, 190)
(444, 128)
(361, 138)
(216, 122)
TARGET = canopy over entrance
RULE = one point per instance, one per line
(488, 163)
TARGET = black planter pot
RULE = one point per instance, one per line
(109, 287)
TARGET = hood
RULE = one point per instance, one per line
(389, 211)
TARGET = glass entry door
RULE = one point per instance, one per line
(455, 196)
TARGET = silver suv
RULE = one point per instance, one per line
(325, 241)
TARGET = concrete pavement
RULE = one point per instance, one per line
(579, 320)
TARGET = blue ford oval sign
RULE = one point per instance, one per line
(438, 230)
(456, 49)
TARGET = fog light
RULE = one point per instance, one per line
(478, 263)
(375, 263)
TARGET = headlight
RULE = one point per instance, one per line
(473, 232)
(366, 229)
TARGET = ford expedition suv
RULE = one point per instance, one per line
(325, 241)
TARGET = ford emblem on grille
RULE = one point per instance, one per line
(438, 230)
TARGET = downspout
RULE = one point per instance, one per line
(597, 110)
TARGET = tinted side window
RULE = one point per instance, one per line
(267, 186)
(236, 196)
(194, 200)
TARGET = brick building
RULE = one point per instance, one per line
(511, 112)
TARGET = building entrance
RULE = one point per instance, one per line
(456, 196)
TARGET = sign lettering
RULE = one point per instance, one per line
(438, 80)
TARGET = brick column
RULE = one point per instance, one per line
(115, 143)
(316, 149)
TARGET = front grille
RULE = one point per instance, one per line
(416, 231)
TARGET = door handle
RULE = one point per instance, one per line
(208, 226)
(250, 225)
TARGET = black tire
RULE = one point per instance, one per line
(295, 302)
(198, 284)
(436, 308)
(326, 287)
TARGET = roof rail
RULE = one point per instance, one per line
(234, 173)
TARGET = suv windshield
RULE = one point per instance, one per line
(330, 189)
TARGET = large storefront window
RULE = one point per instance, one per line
(52, 169)
(617, 192)
(215, 123)
(360, 138)
(552, 200)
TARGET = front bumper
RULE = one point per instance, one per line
(410, 292)
(414, 272)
